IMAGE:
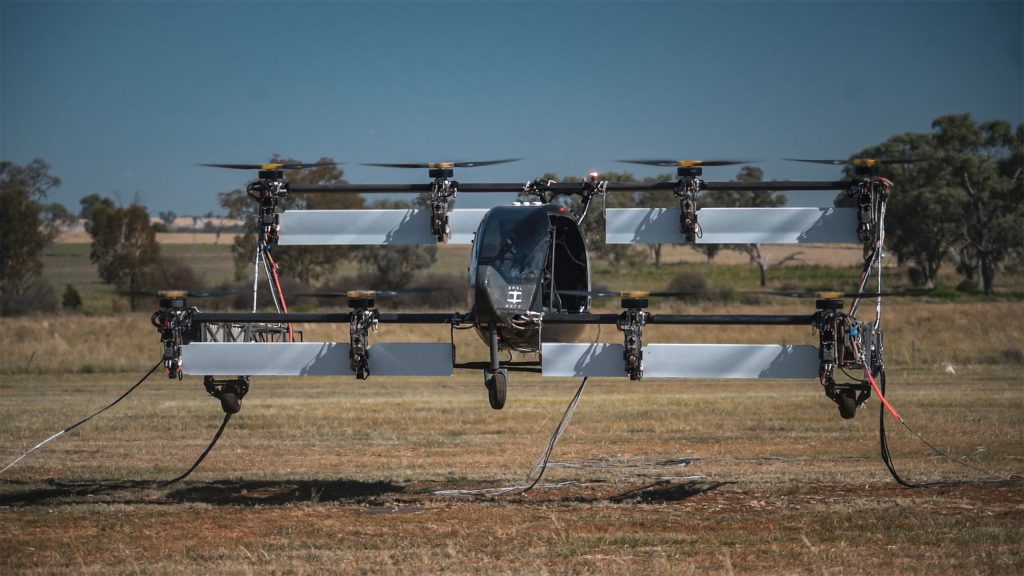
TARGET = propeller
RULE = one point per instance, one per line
(782, 293)
(626, 293)
(687, 163)
(272, 166)
(859, 162)
(182, 293)
(836, 294)
(363, 293)
(442, 165)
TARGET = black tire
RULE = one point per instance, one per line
(848, 404)
(230, 402)
(497, 389)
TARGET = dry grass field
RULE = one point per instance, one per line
(670, 477)
(318, 476)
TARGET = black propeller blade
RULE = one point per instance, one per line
(781, 293)
(272, 166)
(626, 293)
(363, 293)
(213, 293)
(836, 294)
(442, 165)
(856, 161)
(686, 163)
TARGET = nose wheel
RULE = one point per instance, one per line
(496, 382)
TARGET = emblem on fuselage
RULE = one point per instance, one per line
(515, 295)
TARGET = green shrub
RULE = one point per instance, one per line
(71, 299)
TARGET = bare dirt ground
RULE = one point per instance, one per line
(664, 477)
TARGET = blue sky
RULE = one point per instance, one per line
(127, 97)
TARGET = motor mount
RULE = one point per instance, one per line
(687, 187)
(845, 343)
(174, 322)
(363, 318)
(631, 323)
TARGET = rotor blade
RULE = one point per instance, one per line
(440, 164)
(182, 293)
(687, 163)
(364, 293)
(485, 163)
(781, 293)
(627, 293)
(857, 161)
(837, 294)
(271, 166)
(829, 162)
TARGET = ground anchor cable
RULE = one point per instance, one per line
(84, 420)
(884, 442)
(529, 481)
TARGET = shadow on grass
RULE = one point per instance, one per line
(50, 492)
(271, 493)
(667, 492)
(218, 493)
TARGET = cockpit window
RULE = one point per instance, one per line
(515, 243)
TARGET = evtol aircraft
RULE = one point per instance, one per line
(530, 280)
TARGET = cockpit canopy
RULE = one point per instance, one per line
(534, 245)
(513, 241)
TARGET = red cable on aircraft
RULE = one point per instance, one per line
(871, 379)
(280, 293)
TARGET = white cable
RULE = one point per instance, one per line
(256, 276)
(528, 482)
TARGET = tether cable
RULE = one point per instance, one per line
(227, 416)
(84, 420)
(884, 406)
(529, 481)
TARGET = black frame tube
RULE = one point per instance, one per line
(569, 188)
(549, 318)
(695, 319)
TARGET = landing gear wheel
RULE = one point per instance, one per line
(230, 402)
(847, 402)
(497, 389)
